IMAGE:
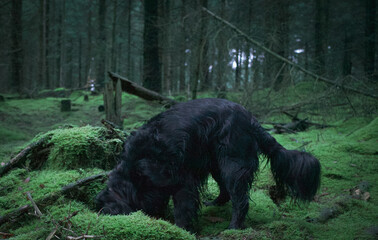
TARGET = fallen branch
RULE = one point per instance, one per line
(21, 157)
(133, 88)
(83, 237)
(296, 125)
(6, 235)
(112, 128)
(52, 197)
(52, 233)
(267, 50)
(36, 209)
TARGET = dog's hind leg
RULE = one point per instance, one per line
(186, 204)
(237, 178)
(223, 196)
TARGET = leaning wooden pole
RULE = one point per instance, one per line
(267, 50)
(133, 88)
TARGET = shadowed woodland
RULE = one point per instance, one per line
(77, 77)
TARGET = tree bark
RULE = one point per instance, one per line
(17, 51)
(370, 32)
(113, 56)
(321, 32)
(42, 45)
(62, 44)
(88, 59)
(100, 78)
(151, 64)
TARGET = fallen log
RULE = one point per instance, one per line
(134, 89)
(21, 157)
(296, 125)
(52, 197)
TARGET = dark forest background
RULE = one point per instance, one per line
(172, 46)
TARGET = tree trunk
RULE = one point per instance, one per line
(100, 78)
(113, 56)
(80, 81)
(166, 45)
(130, 67)
(204, 66)
(17, 51)
(321, 27)
(151, 64)
(88, 59)
(42, 45)
(347, 61)
(238, 68)
(69, 63)
(62, 54)
(282, 46)
(370, 30)
(221, 56)
(182, 51)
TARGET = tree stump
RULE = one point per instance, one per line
(113, 102)
(65, 105)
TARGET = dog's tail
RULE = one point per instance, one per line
(298, 173)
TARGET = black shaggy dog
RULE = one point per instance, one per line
(175, 151)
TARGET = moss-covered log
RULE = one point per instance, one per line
(21, 157)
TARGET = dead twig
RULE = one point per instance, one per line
(83, 237)
(52, 233)
(36, 209)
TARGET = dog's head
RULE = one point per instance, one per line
(120, 196)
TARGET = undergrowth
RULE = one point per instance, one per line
(346, 206)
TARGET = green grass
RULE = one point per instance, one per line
(347, 152)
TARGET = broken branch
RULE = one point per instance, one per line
(21, 157)
(36, 209)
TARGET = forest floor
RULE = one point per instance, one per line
(346, 206)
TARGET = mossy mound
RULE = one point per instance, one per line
(40, 184)
(82, 147)
(363, 140)
(134, 226)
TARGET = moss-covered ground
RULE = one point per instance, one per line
(346, 206)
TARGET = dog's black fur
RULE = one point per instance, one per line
(174, 152)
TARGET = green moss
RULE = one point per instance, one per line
(133, 226)
(33, 230)
(59, 89)
(82, 147)
(364, 140)
(40, 184)
(288, 229)
(346, 151)
(247, 234)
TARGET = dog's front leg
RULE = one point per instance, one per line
(186, 204)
